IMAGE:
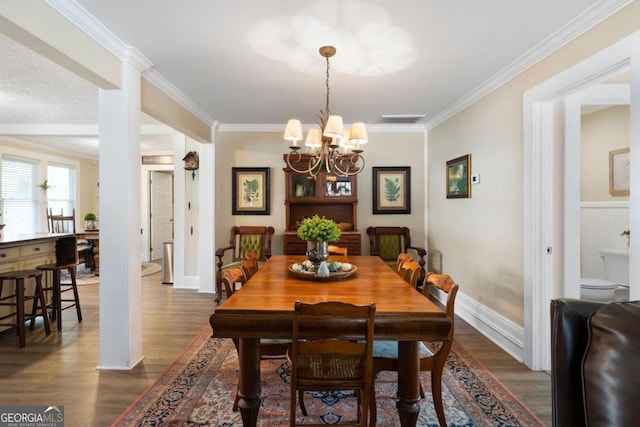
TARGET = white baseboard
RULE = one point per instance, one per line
(189, 282)
(503, 332)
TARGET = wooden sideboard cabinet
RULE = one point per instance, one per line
(335, 197)
(293, 245)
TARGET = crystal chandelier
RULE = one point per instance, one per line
(330, 148)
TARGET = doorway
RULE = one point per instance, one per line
(160, 211)
(546, 222)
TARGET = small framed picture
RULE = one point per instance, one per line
(392, 190)
(250, 191)
(459, 178)
(619, 168)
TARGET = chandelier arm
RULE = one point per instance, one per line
(349, 164)
(296, 158)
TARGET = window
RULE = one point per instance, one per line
(20, 195)
(61, 195)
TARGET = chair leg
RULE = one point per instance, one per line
(57, 299)
(20, 311)
(301, 399)
(39, 297)
(436, 389)
(218, 290)
(72, 272)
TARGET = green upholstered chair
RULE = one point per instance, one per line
(243, 239)
(389, 242)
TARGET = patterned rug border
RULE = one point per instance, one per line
(498, 382)
(192, 347)
(192, 370)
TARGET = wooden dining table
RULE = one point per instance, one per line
(264, 306)
(92, 236)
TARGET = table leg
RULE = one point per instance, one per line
(249, 386)
(408, 383)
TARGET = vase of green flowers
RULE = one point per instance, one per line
(318, 232)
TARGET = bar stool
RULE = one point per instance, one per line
(19, 300)
(66, 259)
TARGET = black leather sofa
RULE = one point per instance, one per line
(595, 363)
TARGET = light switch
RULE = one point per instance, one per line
(475, 178)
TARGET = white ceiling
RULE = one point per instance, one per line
(257, 63)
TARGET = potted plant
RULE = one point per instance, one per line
(318, 232)
(627, 234)
(89, 221)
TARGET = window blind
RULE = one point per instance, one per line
(20, 195)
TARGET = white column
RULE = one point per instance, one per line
(120, 240)
(179, 220)
(206, 217)
(634, 199)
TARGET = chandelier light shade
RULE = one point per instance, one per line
(330, 148)
(293, 132)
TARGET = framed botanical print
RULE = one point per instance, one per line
(392, 190)
(250, 191)
(619, 169)
(459, 178)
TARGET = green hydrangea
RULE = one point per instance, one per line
(316, 228)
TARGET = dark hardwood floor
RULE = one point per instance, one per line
(60, 369)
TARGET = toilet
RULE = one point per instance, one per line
(616, 285)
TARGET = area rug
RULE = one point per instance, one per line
(199, 387)
(85, 276)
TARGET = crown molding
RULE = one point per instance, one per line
(80, 17)
(244, 127)
(581, 24)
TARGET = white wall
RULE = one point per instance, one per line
(266, 149)
(482, 238)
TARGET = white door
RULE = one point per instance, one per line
(161, 215)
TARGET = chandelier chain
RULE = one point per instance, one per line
(326, 110)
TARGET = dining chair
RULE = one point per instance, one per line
(338, 250)
(331, 350)
(250, 265)
(385, 353)
(410, 270)
(243, 239)
(389, 242)
(402, 257)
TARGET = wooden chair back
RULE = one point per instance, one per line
(250, 265)
(231, 277)
(331, 350)
(67, 251)
(337, 250)
(411, 271)
(256, 239)
(61, 223)
(402, 257)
